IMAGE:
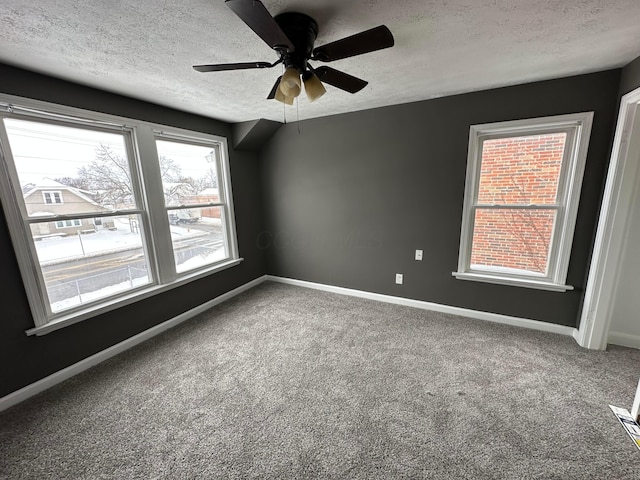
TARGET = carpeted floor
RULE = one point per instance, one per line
(283, 382)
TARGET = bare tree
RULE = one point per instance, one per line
(72, 182)
(202, 183)
(109, 177)
(178, 193)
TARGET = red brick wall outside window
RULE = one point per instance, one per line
(517, 171)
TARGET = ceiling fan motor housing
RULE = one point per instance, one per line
(302, 31)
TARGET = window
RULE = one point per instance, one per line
(192, 200)
(146, 208)
(521, 200)
(52, 197)
(68, 223)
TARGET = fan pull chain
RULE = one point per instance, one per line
(284, 105)
(284, 113)
(298, 114)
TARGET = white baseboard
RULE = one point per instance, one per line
(436, 307)
(55, 378)
(624, 339)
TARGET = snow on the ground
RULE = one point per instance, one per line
(201, 260)
(103, 241)
(97, 294)
(211, 221)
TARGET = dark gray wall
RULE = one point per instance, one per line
(630, 79)
(350, 198)
(25, 359)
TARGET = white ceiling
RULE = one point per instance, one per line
(145, 48)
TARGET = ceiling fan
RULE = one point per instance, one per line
(292, 36)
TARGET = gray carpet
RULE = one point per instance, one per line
(283, 382)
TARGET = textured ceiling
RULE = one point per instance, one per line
(145, 49)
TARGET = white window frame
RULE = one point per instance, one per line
(577, 126)
(52, 195)
(147, 185)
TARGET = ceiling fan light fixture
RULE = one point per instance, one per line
(290, 84)
(281, 97)
(313, 86)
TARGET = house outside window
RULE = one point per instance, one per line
(90, 222)
(521, 199)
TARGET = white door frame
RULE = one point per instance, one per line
(635, 409)
(612, 228)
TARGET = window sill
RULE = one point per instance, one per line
(512, 282)
(133, 297)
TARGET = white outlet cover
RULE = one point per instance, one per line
(418, 254)
(399, 278)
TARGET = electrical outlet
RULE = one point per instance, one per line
(399, 278)
(419, 255)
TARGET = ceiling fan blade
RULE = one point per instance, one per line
(272, 93)
(258, 18)
(364, 42)
(221, 67)
(339, 79)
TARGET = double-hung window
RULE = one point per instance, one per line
(52, 197)
(193, 198)
(521, 200)
(104, 210)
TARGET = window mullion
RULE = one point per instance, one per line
(195, 205)
(82, 216)
(159, 228)
(528, 206)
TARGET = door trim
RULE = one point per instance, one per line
(615, 212)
